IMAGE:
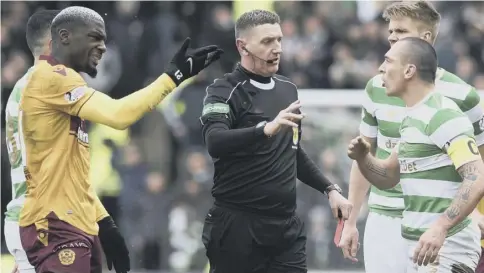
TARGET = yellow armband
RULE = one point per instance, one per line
(462, 151)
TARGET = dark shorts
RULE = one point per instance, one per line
(238, 242)
(480, 265)
(58, 247)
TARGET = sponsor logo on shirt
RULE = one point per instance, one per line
(78, 129)
(390, 144)
(75, 94)
(407, 167)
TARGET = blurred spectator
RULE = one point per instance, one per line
(479, 81)
(127, 161)
(198, 169)
(16, 65)
(124, 30)
(151, 241)
(466, 69)
(185, 226)
(219, 30)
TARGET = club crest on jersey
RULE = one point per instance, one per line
(67, 256)
(295, 137)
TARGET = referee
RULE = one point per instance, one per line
(251, 123)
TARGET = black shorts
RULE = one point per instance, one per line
(238, 242)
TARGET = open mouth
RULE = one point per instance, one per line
(274, 61)
(95, 58)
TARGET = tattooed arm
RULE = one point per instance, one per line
(470, 193)
(383, 174)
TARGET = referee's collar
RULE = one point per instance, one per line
(253, 76)
(258, 81)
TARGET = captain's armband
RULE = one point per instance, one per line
(463, 150)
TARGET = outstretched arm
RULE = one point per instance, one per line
(70, 94)
(122, 113)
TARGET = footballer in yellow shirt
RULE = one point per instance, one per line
(62, 217)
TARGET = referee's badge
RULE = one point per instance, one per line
(295, 136)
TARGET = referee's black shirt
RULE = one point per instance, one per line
(253, 172)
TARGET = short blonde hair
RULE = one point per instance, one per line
(421, 11)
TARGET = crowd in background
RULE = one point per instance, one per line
(155, 178)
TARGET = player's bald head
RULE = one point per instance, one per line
(421, 54)
(75, 16)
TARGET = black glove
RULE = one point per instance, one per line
(114, 247)
(189, 62)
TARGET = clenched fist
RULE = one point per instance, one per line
(358, 148)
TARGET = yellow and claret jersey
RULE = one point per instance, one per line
(56, 147)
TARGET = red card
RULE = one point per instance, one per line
(339, 231)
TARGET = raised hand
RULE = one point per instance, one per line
(358, 148)
(286, 117)
(188, 62)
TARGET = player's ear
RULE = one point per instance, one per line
(410, 71)
(240, 43)
(64, 36)
(427, 36)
